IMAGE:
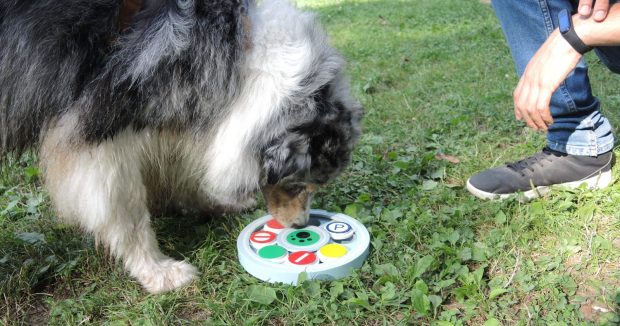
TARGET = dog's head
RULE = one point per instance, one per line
(322, 129)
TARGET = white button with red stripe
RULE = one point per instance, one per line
(260, 239)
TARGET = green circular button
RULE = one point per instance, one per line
(272, 252)
(303, 237)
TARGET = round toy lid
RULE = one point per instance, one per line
(329, 247)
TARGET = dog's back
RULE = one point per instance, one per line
(50, 50)
(150, 69)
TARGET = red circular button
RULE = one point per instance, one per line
(274, 224)
(302, 258)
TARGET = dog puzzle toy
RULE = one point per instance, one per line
(327, 248)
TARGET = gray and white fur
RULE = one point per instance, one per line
(190, 104)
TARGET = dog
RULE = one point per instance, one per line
(139, 106)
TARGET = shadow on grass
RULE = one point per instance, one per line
(180, 235)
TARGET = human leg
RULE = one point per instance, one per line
(579, 128)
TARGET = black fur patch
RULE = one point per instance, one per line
(174, 66)
(316, 150)
(50, 51)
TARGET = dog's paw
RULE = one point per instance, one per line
(166, 275)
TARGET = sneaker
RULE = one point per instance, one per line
(534, 175)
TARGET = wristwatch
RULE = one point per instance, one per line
(565, 20)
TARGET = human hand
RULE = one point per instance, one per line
(543, 75)
(600, 10)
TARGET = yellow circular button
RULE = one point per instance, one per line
(333, 250)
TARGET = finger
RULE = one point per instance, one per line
(523, 115)
(529, 122)
(543, 108)
(518, 111)
(533, 110)
(585, 8)
(516, 95)
(538, 120)
(601, 7)
(521, 103)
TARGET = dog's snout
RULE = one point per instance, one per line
(289, 207)
(302, 220)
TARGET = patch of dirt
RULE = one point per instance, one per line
(574, 260)
(594, 306)
(38, 314)
(616, 243)
(593, 310)
(194, 313)
(399, 316)
(276, 322)
(475, 321)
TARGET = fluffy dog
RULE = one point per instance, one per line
(143, 105)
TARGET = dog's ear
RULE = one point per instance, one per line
(332, 136)
(287, 156)
(315, 151)
(331, 144)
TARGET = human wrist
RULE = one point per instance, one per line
(599, 33)
(568, 31)
(583, 28)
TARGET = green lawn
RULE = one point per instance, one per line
(435, 77)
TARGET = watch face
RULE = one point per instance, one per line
(564, 19)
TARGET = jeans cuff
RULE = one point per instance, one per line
(588, 150)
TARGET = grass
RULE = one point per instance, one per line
(435, 78)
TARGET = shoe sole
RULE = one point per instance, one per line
(598, 181)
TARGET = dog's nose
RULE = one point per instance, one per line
(299, 225)
(302, 220)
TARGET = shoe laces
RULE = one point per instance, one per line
(530, 163)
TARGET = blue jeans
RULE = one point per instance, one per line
(579, 128)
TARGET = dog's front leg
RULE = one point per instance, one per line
(100, 188)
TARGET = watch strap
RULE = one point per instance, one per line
(567, 29)
(571, 37)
